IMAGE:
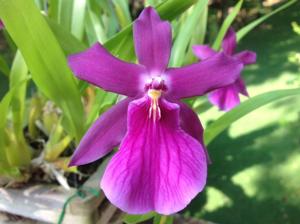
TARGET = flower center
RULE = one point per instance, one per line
(154, 111)
(154, 91)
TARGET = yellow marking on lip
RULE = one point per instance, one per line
(154, 110)
(154, 94)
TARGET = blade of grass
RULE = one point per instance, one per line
(65, 13)
(5, 103)
(78, 18)
(198, 37)
(122, 11)
(185, 33)
(103, 101)
(246, 29)
(226, 24)
(19, 72)
(213, 130)
(69, 43)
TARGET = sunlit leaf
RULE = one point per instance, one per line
(19, 73)
(45, 59)
(78, 18)
(185, 33)
(219, 125)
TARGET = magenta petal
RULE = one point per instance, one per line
(225, 98)
(106, 133)
(247, 57)
(152, 38)
(97, 66)
(203, 51)
(241, 87)
(1, 25)
(191, 124)
(229, 42)
(158, 167)
(199, 78)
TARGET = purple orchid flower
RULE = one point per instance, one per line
(162, 163)
(227, 97)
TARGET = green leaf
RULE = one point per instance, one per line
(243, 109)
(226, 24)
(4, 106)
(151, 2)
(132, 219)
(66, 13)
(3, 66)
(162, 219)
(121, 44)
(103, 101)
(78, 18)
(53, 11)
(69, 43)
(95, 29)
(186, 32)
(198, 37)
(19, 73)
(122, 11)
(19, 151)
(246, 29)
(4, 109)
(45, 59)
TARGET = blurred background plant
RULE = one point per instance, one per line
(45, 110)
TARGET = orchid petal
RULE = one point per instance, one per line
(247, 57)
(241, 87)
(199, 78)
(225, 98)
(158, 167)
(229, 42)
(153, 39)
(97, 66)
(106, 133)
(191, 124)
(203, 51)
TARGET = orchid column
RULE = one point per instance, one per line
(162, 163)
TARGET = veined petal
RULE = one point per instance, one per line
(203, 51)
(159, 167)
(106, 133)
(191, 124)
(247, 57)
(97, 66)
(199, 78)
(225, 98)
(229, 42)
(153, 39)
